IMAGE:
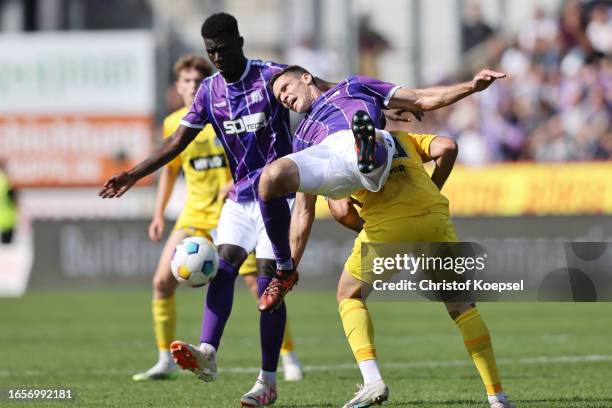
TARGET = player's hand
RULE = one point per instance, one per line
(117, 185)
(156, 229)
(403, 115)
(484, 78)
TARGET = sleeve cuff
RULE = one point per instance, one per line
(390, 95)
(191, 125)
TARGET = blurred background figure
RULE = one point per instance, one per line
(371, 45)
(8, 206)
(474, 30)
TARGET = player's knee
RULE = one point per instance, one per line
(270, 182)
(278, 179)
(164, 285)
(456, 309)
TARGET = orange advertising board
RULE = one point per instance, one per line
(65, 151)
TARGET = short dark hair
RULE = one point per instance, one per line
(291, 69)
(219, 24)
(192, 61)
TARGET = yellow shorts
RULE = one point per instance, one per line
(249, 266)
(432, 227)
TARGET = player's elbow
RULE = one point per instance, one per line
(343, 212)
(451, 148)
(444, 147)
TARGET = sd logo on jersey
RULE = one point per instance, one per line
(248, 123)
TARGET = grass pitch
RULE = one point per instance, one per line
(549, 354)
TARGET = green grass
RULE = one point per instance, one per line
(92, 341)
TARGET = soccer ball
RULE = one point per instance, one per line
(194, 262)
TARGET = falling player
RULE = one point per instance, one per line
(208, 181)
(339, 149)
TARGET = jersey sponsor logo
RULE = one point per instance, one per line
(221, 104)
(399, 150)
(204, 163)
(398, 169)
(248, 123)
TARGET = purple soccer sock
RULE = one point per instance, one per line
(276, 216)
(271, 330)
(218, 304)
(380, 156)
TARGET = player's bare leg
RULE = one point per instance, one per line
(359, 330)
(164, 313)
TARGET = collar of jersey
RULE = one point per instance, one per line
(322, 97)
(244, 74)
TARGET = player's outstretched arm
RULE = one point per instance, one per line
(444, 152)
(301, 223)
(440, 96)
(164, 191)
(344, 212)
(168, 149)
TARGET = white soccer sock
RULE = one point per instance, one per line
(268, 376)
(369, 371)
(290, 358)
(165, 358)
(499, 397)
(207, 348)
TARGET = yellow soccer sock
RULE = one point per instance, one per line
(287, 346)
(358, 328)
(164, 321)
(478, 344)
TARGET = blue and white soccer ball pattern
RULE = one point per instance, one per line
(195, 261)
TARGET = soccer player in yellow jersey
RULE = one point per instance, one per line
(409, 208)
(208, 180)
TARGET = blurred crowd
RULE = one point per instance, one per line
(556, 103)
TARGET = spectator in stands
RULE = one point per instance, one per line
(473, 28)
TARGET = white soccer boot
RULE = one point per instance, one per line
(201, 361)
(262, 394)
(369, 394)
(292, 369)
(502, 404)
(160, 371)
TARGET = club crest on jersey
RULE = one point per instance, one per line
(248, 123)
(208, 162)
(256, 96)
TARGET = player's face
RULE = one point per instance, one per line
(292, 91)
(187, 84)
(225, 53)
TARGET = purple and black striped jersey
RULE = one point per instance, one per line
(252, 126)
(333, 111)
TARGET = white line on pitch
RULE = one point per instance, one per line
(332, 367)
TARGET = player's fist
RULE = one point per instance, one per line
(484, 78)
(156, 229)
(117, 185)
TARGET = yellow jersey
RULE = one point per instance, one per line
(409, 190)
(206, 171)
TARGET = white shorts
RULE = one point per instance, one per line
(330, 168)
(241, 224)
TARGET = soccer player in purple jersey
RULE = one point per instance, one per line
(254, 130)
(328, 159)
